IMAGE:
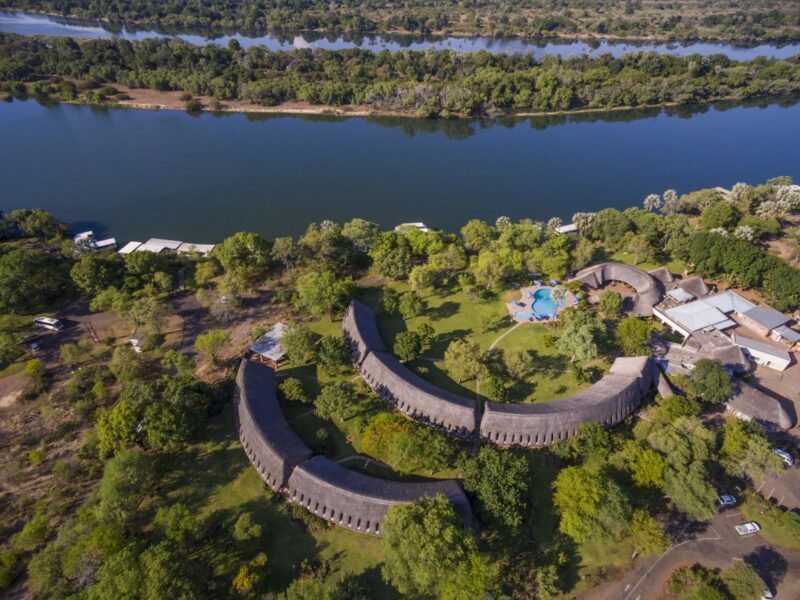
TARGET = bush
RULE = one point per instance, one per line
(293, 391)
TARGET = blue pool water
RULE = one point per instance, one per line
(543, 303)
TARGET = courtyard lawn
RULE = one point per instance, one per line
(674, 266)
(455, 316)
(216, 481)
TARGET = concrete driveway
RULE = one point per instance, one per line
(714, 545)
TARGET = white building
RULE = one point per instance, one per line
(763, 354)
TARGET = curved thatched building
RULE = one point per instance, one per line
(607, 402)
(361, 331)
(649, 290)
(400, 386)
(418, 398)
(270, 443)
(360, 502)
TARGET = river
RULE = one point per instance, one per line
(27, 24)
(136, 174)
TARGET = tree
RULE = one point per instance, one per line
(9, 349)
(709, 382)
(639, 246)
(519, 363)
(579, 342)
(742, 581)
(96, 272)
(362, 234)
(250, 574)
(610, 304)
(463, 359)
(499, 479)
(332, 354)
(391, 256)
(125, 364)
(29, 280)
(411, 305)
(176, 522)
(423, 277)
(244, 254)
(205, 272)
(149, 313)
(478, 235)
(246, 528)
(168, 427)
(35, 221)
(182, 365)
(292, 389)
(390, 300)
(632, 335)
(590, 441)
(407, 345)
(300, 344)
(335, 400)
(746, 451)
(168, 573)
(211, 343)
(35, 372)
(591, 505)
(284, 251)
(125, 483)
(428, 552)
(652, 202)
(72, 354)
(648, 536)
(720, 215)
(321, 292)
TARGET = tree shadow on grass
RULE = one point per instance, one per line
(770, 565)
(443, 311)
(442, 341)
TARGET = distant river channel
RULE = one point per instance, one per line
(29, 24)
(137, 174)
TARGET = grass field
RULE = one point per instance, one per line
(216, 481)
(777, 527)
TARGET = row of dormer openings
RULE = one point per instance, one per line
(384, 393)
(256, 462)
(303, 501)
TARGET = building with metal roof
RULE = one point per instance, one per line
(764, 319)
(129, 248)
(157, 245)
(680, 295)
(268, 346)
(360, 502)
(763, 353)
(784, 333)
(729, 302)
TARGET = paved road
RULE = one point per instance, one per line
(714, 545)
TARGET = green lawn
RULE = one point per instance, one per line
(216, 481)
(455, 316)
(675, 266)
(775, 525)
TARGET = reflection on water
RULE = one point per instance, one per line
(141, 174)
(27, 24)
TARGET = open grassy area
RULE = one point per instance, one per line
(456, 316)
(777, 527)
(215, 480)
(675, 266)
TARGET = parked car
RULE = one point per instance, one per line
(726, 500)
(747, 528)
(767, 595)
(34, 347)
(785, 456)
(49, 323)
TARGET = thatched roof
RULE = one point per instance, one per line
(649, 290)
(417, 397)
(361, 331)
(607, 402)
(662, 274)
(360, 502)
(695, 286)
(270, 443)
(733, 357)
(752, 404)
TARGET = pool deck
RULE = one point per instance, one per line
(526, 306)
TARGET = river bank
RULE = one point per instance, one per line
(33, 22)
(154, 100)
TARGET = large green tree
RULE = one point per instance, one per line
(429, 554)
(29, 280)
(499, 479)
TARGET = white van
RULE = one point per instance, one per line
(49, 323)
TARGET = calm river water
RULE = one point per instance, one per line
(27, 24)
(136, 174)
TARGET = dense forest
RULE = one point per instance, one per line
(443, 83)
(751, 21)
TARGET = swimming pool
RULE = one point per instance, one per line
(543, 303)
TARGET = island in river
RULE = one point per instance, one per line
(423, 84)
